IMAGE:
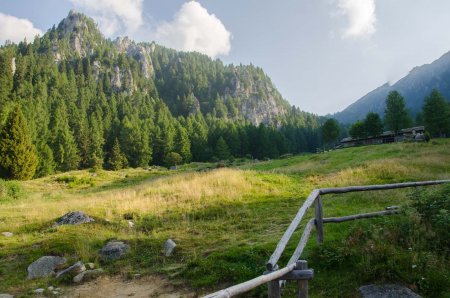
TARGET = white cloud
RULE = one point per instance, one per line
(113, 16)
(193, 28)
(16, 29)
(361, 17)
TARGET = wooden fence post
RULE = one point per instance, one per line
(319, 218)
(303, 283)
(274, 289)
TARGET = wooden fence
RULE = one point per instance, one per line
(297, 269)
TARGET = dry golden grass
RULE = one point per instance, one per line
(184, 192)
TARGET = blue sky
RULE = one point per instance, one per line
(322, 55)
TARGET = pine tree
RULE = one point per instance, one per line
(330, 131)
(182, 145)
(373, 124)
(436, 114)
(116, 159)
(395, 115)
(96, 144)
(222, 151)
(18, 159)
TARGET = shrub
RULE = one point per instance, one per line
(434, 209)
(10, 190)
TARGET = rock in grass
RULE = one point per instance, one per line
(113, 250)
(169, 247)
(7, 234)
(87, 275)
(6, 296)
(73, 218)
(90, 265)
(39, 291)
(386, 291)
(44, 266)
(74, 269)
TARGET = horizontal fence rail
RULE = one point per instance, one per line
(296, 269)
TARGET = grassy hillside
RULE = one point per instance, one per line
(227, 221)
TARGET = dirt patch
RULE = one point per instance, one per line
(153, 286)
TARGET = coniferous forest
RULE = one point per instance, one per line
(72, 99)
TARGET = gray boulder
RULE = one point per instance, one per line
(87, 275)
(6, 296)
(7, 234)
(73, 218)
(39, 291)
(169, 247)
(386, 291)
(74, 269)
(114, 250)
(44, 266)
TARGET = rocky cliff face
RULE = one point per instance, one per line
(141, 52)
(261, 102)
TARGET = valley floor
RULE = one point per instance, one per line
(226, 223)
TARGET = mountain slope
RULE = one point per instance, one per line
(95, 103)
(414, 87)
(187, 82)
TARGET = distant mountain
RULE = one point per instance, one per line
(414, 87)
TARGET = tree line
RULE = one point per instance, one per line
(63, 116)
(435, 116)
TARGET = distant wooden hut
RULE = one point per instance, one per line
(407, 134)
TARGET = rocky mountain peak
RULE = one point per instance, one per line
(82, 32)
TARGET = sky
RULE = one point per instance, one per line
(322, 55)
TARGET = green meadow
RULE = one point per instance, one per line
(227, 221)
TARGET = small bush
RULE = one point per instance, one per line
(434, 209)
(73, 181)
(10, 190)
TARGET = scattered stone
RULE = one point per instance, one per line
(39, 291)
(50, 288)
(87, 275)
(137, 276)
(73, 218)
(55, 292)
(74, 269)
(7, 234)
(130, 224)
(45, 266)
(6, 296)
(113, 250)
(90, 265)
(386, 291)
(169, 247)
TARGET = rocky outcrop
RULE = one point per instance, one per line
(77, 27)
(260, 101)
(74, 269)
(87, 275)
(169, 247)
(140, 52)
(114, 250)
(73, 218)
(386, 291)
(45, 266)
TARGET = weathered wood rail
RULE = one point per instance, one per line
(298, 269)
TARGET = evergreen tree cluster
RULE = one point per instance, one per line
(435, 116)
(65, 111)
